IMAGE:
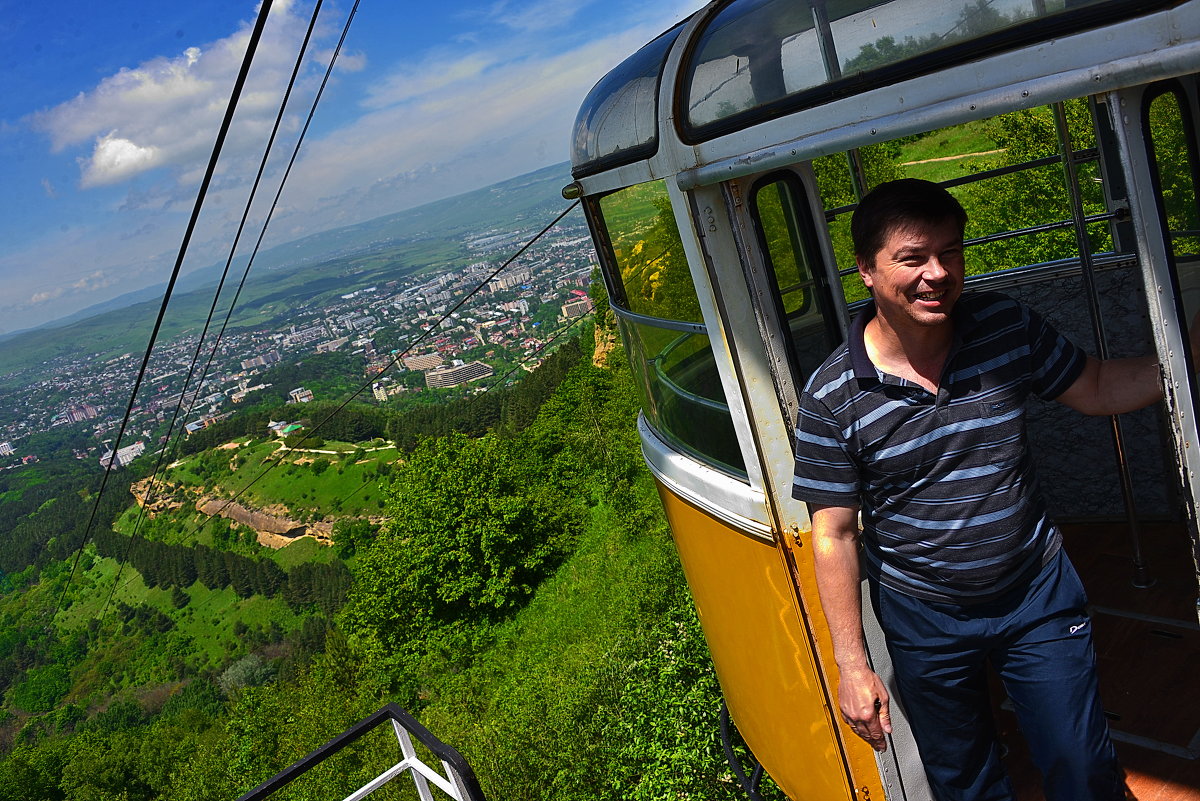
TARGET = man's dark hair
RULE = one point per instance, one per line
(897, 204)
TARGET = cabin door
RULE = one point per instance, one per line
(1156, 127)
(796, 302)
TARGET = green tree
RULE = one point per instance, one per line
(249, 671)
(468, 539)
(351, 533)
(106, 765)
(42, 688)
(1034, 196)
(34, 772)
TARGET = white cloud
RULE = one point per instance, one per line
(115, 159)
(347, 61)
(166, 111)
(98, 279)
(533, 17)
(90, 283)
(39, 298)
(444, 126)
(430, 77)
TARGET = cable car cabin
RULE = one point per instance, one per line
(719, 166)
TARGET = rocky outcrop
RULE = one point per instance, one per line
(259, 521)
(163, 499)
(272, 525)
(322, 532)
(606, 341)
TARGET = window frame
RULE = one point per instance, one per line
(1025, 34)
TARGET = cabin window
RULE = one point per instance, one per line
(1171, 134)
(786, 238)
(652, 294)
(756, 59)
(752, 54)
(1008, 173)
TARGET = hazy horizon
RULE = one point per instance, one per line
(109, 116)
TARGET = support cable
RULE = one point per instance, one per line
(251, 49)
(558, 334)
(389, 366)
(162, 454)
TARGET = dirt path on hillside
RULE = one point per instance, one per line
(954, 158)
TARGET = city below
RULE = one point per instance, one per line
(505, 324)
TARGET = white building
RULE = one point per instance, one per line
(124, 455)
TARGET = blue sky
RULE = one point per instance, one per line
(108, 113)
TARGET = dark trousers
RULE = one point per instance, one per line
(1038, 638)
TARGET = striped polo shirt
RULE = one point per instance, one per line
(950, 506)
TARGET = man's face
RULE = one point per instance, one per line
(917, 275)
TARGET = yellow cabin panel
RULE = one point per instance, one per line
(761, 651)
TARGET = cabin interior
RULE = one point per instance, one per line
(1148, 652)
(1125, 509)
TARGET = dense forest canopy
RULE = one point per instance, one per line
(521, 576)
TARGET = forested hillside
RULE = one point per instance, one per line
(517, 592)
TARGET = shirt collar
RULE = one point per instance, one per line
(864, 369)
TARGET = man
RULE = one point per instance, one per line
(917, 423)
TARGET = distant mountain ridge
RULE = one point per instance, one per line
(501, 203)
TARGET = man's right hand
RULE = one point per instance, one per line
(864, 704)
(861, 694)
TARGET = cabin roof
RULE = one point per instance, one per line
(745, 61)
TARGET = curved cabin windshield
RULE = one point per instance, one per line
(618, 121)
(759, 54)
(669, 351)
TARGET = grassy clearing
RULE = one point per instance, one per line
(93, 588)
(303, 551)
(948, 153)
(344, 486)
(264, 473)
(206, 623)
(209, 618)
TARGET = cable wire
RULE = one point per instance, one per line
(239, 83)
(432, 328)
(162, 454)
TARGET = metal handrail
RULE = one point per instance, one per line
(458, 783)
(666, 380)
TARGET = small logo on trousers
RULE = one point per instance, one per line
(1077, 627)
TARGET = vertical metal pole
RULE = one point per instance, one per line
(1140, 576)
(833, 70)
